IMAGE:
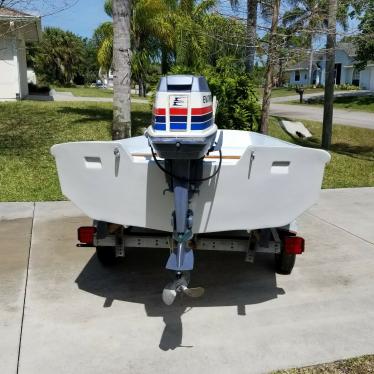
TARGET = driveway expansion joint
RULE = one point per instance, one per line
(340, 228)
(25, 289)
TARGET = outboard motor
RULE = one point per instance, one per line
(182, 133)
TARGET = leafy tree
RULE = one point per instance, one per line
(89, 68)
(58, 57)
(226, 38)
(365, 41)
(238, 106)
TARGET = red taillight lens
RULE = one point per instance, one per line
(86, 234)
(294, 245)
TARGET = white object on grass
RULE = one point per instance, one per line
(296, 129)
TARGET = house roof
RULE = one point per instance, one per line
(12, 20)
(303, 64)
(8, 12)
(348, 48)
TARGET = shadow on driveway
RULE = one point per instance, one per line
(140, 278)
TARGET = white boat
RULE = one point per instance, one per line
(263, 182)
(187, 178)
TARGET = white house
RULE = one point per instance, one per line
(345, 72)
(16, 28)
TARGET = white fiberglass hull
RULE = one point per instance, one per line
(263, 182)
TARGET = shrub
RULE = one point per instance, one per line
(36, 89)
(238, 107)
(348, 87)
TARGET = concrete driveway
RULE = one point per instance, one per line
(61, 312)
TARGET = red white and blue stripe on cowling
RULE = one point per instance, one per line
(201, 118)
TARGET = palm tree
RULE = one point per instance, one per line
(251, 37)
(103, 37)
(121, 69)
(190, 39)
(150, 30)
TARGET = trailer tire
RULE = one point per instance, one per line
(106, 255)
(284, 262)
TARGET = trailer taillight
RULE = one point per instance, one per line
(294, 245)
(86, 234)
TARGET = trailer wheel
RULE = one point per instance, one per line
(106, 255)
(284, 262)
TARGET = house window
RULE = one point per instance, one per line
(356, 77)
(297, 75)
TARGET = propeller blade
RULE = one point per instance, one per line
(169, 295)
(194, 292)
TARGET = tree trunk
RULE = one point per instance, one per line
(280, 73)
(330, 76)
(311, 66)
(269, 69)
(142, 87)
(251, 34)
(164, 60)
(121, 69)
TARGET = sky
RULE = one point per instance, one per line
(78, 16)
(83, 16)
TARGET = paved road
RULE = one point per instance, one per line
(283, 99)
(68, 96)
(315, 113)
(80, 317)
(277, 108)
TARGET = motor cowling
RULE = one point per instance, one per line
(183, 118)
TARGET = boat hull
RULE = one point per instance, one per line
(263, 182)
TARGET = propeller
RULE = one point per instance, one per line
(168, 295)
(172, 289)
(194, 292)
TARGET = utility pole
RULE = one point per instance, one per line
(269, 69)
(330, 76)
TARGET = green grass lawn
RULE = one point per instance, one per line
(352, 153)
(86, 91)
(285, 91)
(359, 103)
(28, 129)
(358, 365)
